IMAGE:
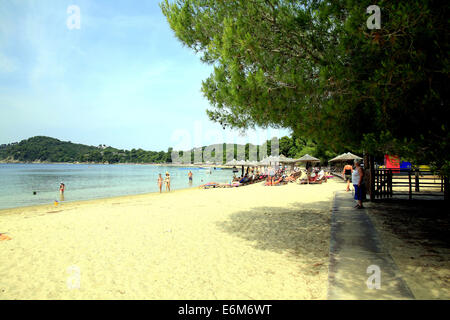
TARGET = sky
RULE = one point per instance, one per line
(119, 78)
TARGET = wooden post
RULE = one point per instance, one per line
(446, 185)
(391, 177)
(388, 184)
(377, 179)
(371, 178)
(416, 182)
(410, 186)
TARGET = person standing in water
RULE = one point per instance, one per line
(190, 177)
(62, 187)
(167, 181)
(160, 181)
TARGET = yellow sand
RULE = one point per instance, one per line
(251, 242)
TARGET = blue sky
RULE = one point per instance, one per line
(122, 79)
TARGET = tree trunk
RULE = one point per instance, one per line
(369, 173)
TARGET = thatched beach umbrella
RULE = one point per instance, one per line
(249, 163)
(272, 159)
(307, 158)
(264, 162)
(346, 157)
(241, 163)
(233, 163)
(286, 160)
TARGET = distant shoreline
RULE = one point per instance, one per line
(126, 163)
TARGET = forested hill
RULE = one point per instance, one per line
(48, 149)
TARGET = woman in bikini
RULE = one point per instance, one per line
(347, 174)
(160, 181)
(167, 181)
(62, 187)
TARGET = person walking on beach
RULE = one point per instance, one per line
(271, 175)
(357, 180)
(167, 181)
(160, 181)
(347, 175)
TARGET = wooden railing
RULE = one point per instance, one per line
(388, 182)
(383, 183)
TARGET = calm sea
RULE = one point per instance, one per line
(92, 181)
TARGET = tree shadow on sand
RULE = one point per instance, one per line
(426, 221)
(302, 230)
(420, 243)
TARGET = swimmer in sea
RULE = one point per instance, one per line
(160, 181)
(190, 178)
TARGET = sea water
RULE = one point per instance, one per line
(19, 182)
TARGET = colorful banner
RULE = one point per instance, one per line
(392, 162)
(405, 165)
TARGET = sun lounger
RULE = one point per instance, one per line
(209, 185)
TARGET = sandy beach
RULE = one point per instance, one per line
(252, 242)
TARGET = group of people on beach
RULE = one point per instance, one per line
(307, 176)
(313, 175)
(166, 182)
(250, 175)
(276, 176)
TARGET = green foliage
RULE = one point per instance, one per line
(53, 150)
(315, 67)
(295, 147)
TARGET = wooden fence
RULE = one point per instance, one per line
(390, 182)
